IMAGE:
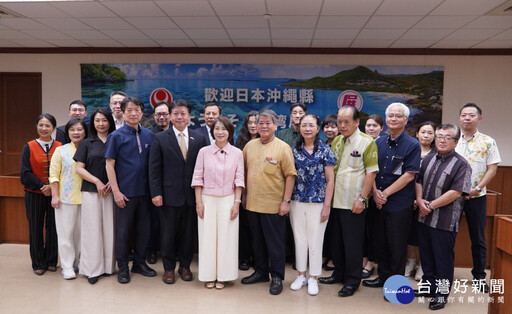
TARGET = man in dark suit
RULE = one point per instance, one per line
(77, 109)
(171, 166)
(211, 112)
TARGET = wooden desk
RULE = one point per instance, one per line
(501, 262)
(13, 219)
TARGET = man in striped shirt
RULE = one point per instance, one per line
(355, 170)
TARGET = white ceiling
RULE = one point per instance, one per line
(458, 24)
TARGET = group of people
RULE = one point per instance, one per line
(357, 199)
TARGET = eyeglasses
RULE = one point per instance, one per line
(445, 137)
(115, 102)
(77, 110)
(395, 115)
(161, 114)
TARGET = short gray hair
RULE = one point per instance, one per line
(267, 113)
(406, 110)
(449, 126)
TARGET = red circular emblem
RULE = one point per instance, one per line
(350, 98)
(158, 95)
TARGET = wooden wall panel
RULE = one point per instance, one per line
(501, 266)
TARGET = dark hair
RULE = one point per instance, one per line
(72, 122)
(161, 103)
(304, 107)
(118, 93)
(110, 119)
(243, 135)
(77, 102)
(375, 117)
(300, 140)
(425, 123)
(180, 103)
(227, 124)
(48, 117)
(448, 126)
(329, 119)
(470, 104)
(133, 100)
(211, 105)
(355, 112)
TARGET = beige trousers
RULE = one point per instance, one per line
(97, 235)
(218, 240)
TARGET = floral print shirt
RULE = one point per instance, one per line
(310, 183)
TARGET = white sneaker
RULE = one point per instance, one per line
(299, 282)
(68, 274)
(409, 266)
(312, 286)
(419, 273)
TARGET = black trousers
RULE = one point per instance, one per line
(437, 252)
(136, 217)
(268, 243)
(326, 249)
(178, 233)
(392, 235)
(370, 236)
(347, 245)
(475, 209)
(154, 235)
(41, 216)
(244, 236)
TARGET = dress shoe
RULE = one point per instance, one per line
(329, 280)
(254, 278)
(169, 277)
(367, 273)
(185, 273)
(152, 257)
(276, 287)
(347, 291)
(39, 272)
(144, 270)
(93, 280)
(244, 264)
(436, 303)
(52, 268)
(123, 276)
(375, 283)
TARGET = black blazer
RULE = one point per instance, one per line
(169, 174)
(205, 133)
(60, 134)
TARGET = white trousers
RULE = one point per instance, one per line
(218, 240)
(308, 233)
(97, 255)
(67, 221)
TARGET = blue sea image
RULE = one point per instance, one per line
(193, 91)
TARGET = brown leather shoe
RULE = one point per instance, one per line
(185, 273)
(39, 272)
(169, 277)
(52, 268)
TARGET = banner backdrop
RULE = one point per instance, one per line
(240, 88)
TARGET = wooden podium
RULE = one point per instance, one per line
(13, 219)
(501, 263)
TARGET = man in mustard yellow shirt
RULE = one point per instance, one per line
(270, 174)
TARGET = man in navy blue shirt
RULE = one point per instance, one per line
(393, 192)
(127, 154)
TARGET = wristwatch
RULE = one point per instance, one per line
(287, 201)
(479, 190)
(362, 200)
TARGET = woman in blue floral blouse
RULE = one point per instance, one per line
(311, 201)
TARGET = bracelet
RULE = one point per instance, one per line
(363, 197)
(287, 201)
(238, 201)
